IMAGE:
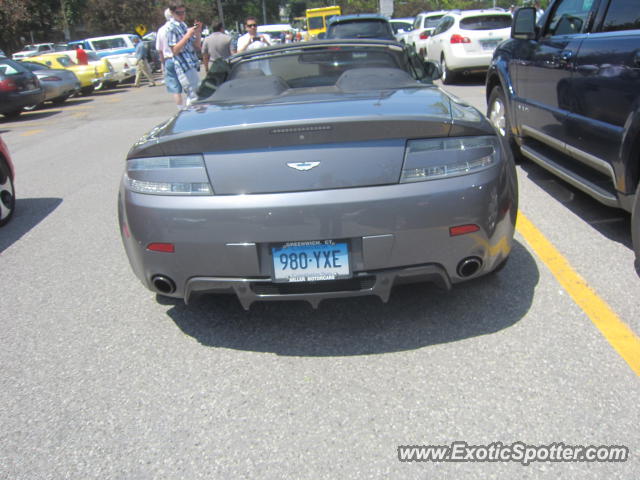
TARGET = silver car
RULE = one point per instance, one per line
(318, 170)
(58, 84)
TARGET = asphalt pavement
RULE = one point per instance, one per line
(102, 379)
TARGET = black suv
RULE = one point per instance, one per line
(565, 93)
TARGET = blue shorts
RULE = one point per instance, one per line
(171, 77)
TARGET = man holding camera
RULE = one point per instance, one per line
(251, 40)
(185, 43)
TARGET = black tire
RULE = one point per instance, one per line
(448, 75)
(7, 194)
(59, 100)
(498, 115)
(87, 90)
(635, 228)
(13, 114)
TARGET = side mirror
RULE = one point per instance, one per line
(425, 71)
(433, 70)
(523, 26)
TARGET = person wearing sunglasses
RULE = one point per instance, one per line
(185, 43)
(251, 39)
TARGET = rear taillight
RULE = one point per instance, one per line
(455, 38)
(8, 85)
(424, 35)
(51, 78)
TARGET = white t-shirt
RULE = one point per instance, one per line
(245, 39)
(162, 44)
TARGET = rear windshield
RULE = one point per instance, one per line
(361, 29)
(486, 22)
(8, 68)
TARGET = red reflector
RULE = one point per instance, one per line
(424, 35)
(161, 247)
(463, 229)
(455, 38)
(125, 230)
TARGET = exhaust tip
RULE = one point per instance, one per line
(163, 284)
(469, 266)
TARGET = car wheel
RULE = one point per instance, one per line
(86, 90)
(447, 75)
(499, 117)
(635, 228)
(60, 100)
(13, 114)
(7, 194)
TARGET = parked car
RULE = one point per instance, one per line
(361, 25)
(276, 32)
(59, 84)
(464, 41)
(87, 74)
(7, 190)
(107, 74)
(33, 50)
(19, 88)
(110, 44)
(566, 95)
(401, 28)
(273, 190)
(423, 26)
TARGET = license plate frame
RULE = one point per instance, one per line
(319, 253)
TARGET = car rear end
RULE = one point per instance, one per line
(313, 209)
(19, 88)
(471, 44)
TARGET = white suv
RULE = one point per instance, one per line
(464, 41)
(423, 25)
(33, 50)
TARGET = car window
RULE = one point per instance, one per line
(317, 68)
(93, 56)
(486, 22)
(315, 23)
(569, 17)
(65, 61)
(622, 15)
(360, 29)
(107, 43)
(11, 68)
(444, 25)
(431, 22)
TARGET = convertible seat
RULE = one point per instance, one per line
(250, 89)
(375, 78)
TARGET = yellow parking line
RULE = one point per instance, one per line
(28, 133)
(617, 333)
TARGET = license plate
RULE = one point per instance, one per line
(490, 44)
(310, 261)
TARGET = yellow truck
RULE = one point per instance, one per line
(317, 20)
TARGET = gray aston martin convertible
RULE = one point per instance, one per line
(318, 170)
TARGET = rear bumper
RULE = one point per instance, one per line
(396, 234)
(459, 59)
(378, 283)
(16, 101)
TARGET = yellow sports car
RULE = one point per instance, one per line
(88, 75)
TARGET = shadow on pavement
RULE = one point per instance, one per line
(33, 115)
(28, 213)
(416, 316)
(612, 223)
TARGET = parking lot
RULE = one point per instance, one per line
(102, 379)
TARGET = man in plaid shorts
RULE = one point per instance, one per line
(185, 43)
